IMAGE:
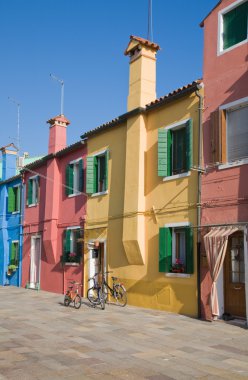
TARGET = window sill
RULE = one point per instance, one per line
(181, 275)
(100, 193)
(74, 195)
(33, 205)
(233, 164)
(15, 212)
(72, 264)
(177, 176)
(223, 51)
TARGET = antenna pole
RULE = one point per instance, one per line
(62, 92)
(150, 33)
(18, 121)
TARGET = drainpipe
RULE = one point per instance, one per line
(199, 86)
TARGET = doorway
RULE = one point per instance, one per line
(234, 276)
(35, 257)
(97, 262)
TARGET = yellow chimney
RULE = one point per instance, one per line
(142, 72)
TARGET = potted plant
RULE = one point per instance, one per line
(72, 257)
(177, 267)
(11, 269)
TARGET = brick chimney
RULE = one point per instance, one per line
(57, 134)
(142, 72)
(9, 155)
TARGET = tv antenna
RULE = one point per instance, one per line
(150, 33)
(18, 121)
(62, 93)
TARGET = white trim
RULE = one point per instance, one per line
(234, 104)
(177, 176)
(178, 124)
(179, 224)
(34, 176)
(223, 11)
(100, 193)
(73, 228)
(182, 275)
(33, 205)
(100, 153)
(75, 161)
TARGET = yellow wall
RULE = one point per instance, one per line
(173, 201)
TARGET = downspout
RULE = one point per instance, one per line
(200, 109)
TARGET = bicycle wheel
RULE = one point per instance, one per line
(93, 296)
(77, 301)
(120, 295)
(67, 300)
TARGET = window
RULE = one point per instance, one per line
(33, 191)
(175, 149)
(97, 173)
(14, 199)
(14, 253)
(233, 25)
(230, 132)
(72, 251)
(176, 249)
(74, 177)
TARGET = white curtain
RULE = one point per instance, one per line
(216, 245)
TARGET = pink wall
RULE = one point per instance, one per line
(224, 192)
(51, 217)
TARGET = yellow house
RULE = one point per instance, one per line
(142, 184)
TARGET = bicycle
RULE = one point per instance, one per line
(95, 294)
(72, 295)
(117, 292)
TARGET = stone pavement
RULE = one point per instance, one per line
(42, 339)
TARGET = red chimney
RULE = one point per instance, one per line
(57, 134)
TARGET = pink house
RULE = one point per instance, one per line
(55, 213)
(224, 202)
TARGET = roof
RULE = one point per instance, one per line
(10, 179)
(60, 153)
(182, 91)
(143, 41)
(60, 118)
(202, 22)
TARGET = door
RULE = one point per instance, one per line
(35, 262)
(234, 272)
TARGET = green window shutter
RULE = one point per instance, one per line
(106, 168)
(81, 175)
(189, 144)
(18, 198)
(91, 175)
(165, 249)
(12, 259)
(235, 25)
(30, 192)
(67, 244)
(78, 245)
(162, 152)
(11, 199)
(189, 251)
(69, 179)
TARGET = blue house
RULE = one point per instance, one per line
(10, 218)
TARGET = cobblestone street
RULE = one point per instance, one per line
(42, 339)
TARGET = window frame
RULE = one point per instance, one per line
(172, 227)
(173, 127)
(17, 199)
(65, 259)
(17, 256)
(235, 105)
(221, 13)
(101, 153)
(75, 192)
(35, 180)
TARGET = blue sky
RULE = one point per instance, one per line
(82, 42)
